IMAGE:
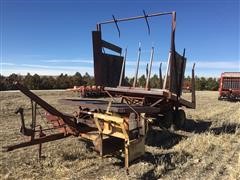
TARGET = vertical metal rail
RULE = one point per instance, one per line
(193, 87)
(160, 76)
(123, 67)
(167, 71)
(147, 70)
(34, 117)
(172, 51)
(138, 60)
(150, 68)
(180, 84)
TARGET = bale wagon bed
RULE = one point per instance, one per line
(121, 123)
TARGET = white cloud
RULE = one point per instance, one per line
(6, 64)
(204, 64)
(218, 64)
(46, 70)
(68, 61)
(206, 68)
(54, 67)
(36, 66)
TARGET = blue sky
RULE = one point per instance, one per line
(54, 36)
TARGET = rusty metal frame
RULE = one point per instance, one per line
(110, 121)
(98, 45)
(131, 18)
(36, 141)
(167, 91)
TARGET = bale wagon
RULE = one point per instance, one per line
(229, 86)
(119, 123)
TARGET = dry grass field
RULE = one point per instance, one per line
(208, 148)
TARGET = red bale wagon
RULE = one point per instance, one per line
(229, 86)
(119, 123)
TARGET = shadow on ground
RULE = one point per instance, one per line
(225, 128)
(163, 163)
(200, 126)
(160, 164)
(162, 138)
(197, 126)
(166, 139)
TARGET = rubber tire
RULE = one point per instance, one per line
(168, 119)
(180, 118)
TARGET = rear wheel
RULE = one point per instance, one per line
(168, 119)
(180, 118)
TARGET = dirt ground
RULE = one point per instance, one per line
(207, 148)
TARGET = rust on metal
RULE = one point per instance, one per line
(107, 67)
(88, 91)
(121, 121)
(46, 106)
(36, 141)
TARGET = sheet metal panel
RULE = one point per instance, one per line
(107, 67)
(177, 70)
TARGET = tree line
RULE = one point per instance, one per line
(64, 81)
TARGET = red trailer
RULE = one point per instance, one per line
(229, 86)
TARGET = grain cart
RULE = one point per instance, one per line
(120, 122)
(229, 86)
